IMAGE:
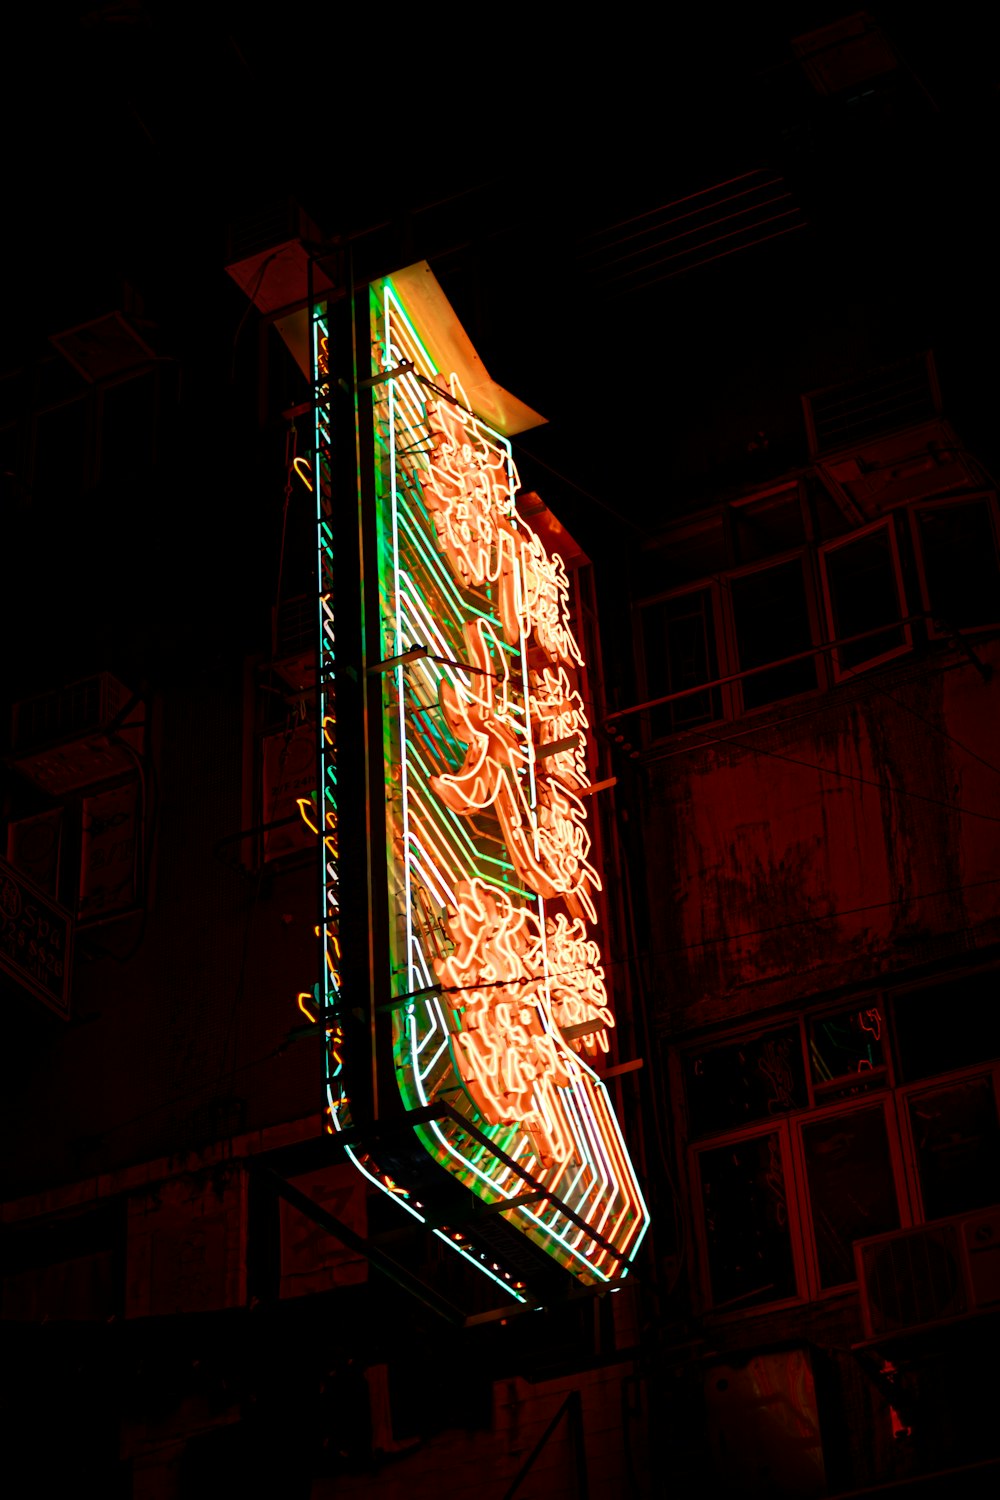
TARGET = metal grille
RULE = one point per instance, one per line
(914, 1278)
(703, 227)
(881, 401)
(67, 712)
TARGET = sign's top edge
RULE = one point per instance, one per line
(453, 352)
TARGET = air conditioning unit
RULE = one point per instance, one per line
(269, 258)
(104, 347)
(917, 1278)
(844, 55)
(77, 736)
(880, 401)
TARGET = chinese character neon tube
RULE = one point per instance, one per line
(493, 892)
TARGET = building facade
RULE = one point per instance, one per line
(798, 798)
(187, 1248)
(818, 787)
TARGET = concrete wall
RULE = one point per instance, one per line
(177, 1016)
(851, 838)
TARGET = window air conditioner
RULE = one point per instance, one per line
(77, 736)
(915, 1278)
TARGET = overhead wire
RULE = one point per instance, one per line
(838, 773)
(857, 674)
(587, 494)
(283, 1047)
(831, 770)
(847, 911)
(930, 724)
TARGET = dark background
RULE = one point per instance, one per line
(550, 175)
(525, 156)
(543, 166)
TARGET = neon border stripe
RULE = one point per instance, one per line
(425, 604)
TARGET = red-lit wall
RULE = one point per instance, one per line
(852, 835)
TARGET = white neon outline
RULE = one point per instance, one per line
(581, 1106)
(454, 1245)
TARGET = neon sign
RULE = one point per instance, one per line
(500, 1005)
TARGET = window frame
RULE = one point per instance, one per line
(891, 1094)
(789, 1129)
(839, 672)
(818, 1092)
(877, 1099)
(775, 1125)
(69, 865)
(802, 556)
(763, 501)
(713, 587)
(904, 1093)
(909, 574)
(943, 502)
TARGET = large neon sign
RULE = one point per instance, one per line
(499, 1005)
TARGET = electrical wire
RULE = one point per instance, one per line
(283, 1046)
(833, 770)
(812, 921)
(858, 674)
(885, 786)
(929, 723)
(587, 494)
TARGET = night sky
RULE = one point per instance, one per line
(526, 160)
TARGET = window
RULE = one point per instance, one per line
(769, 526)
(956, 542)
(852, 1191)
(76, 810)
(955, 1140)
(845, 1052)
(756, 626)
(87, 851)
(864, 598)
(833, 1126)
(679, 653)
(758, 1076)
(748, 1241)
(947, 1025)
(694, 551)
(771, 622)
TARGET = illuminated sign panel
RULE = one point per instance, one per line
(499, 1003)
